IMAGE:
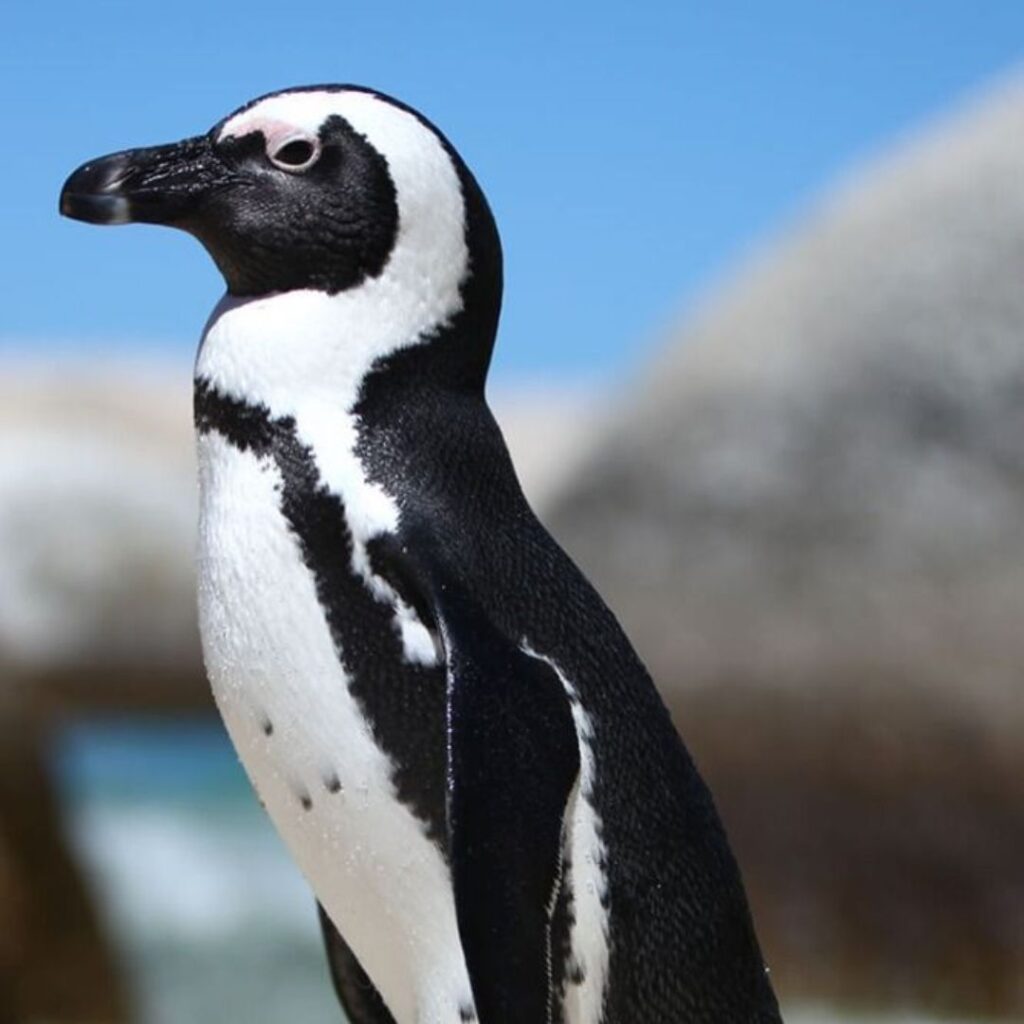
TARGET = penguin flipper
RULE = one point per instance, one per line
(513, 760)
(359, 998)
(512, 765)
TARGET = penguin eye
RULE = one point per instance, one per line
(295, 155)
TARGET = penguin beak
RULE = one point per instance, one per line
(157, 185)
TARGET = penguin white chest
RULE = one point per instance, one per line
(283, 692)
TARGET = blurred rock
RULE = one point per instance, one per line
(97, 511)
(809, 515)
(97, 520)
(55, 961)
(547, 428)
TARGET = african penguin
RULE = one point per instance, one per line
(446, 724)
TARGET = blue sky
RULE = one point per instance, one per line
(631, 152)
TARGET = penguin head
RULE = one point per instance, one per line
(323, 188)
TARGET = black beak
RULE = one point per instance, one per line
(158, 185)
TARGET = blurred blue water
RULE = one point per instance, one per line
(211, 920)
(143, 759)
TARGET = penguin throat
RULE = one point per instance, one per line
(285, 350)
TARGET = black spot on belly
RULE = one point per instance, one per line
(466, 1013)
(307, 801)
(268, 727)
(332, 784)
(403, 703)
(576, 973)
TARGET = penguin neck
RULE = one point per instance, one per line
(307, 349)
(374, 380)
(365, 414)
(428, 321)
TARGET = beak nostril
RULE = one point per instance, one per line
(116, 182)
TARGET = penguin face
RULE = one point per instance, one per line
(304, 189)
(298, 208)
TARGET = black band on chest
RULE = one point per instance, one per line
(403, 702)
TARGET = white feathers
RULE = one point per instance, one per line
(284, 697)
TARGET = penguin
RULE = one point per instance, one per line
(447, 726)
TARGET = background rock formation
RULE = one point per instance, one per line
(97, 503)
(809, 514)
(97, 519)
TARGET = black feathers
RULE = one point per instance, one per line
(329, 228)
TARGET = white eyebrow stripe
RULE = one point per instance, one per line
(302, 111)
(274, 130)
